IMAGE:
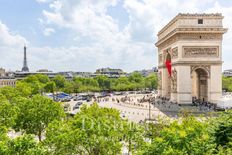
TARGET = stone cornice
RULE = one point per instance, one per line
(192, 30)
(187, 15)
(189, 63)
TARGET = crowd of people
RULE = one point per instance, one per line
(161, 103)
(164, 104)
(138, 101)
(203, 105)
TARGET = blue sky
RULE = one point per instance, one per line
(83, 35)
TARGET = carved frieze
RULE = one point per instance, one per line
(200, 52)
(174, 81)
(175, 53)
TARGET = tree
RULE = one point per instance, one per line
(186, 136)
(103, 82)
(121, 84)
(24, 89)
(22, 145)
(50, 87)
(3, 140)
(76, 87)
(59, 81)
(8, 112)
(25, 145)
(9, 92)
(68, 87)
(42, 78)
(151, 81)
(134, 137)
(221, 130)
(93, 131)
(135, 77)
(36, 83)
(36, 113)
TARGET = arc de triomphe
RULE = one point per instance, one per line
(190, 58)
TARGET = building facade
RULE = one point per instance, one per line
(190, 58)
(7, 81)
(112, 73)
(227, 73)
(2, 72)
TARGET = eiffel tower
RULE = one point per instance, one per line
(25, 67)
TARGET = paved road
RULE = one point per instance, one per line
(130, 111)
(134, 114)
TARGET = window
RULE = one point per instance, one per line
(200, 21)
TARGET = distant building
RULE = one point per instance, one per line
(146, 72)
(50, 74)
(112, 73)
(83, 74)
(43, 70)
(227, 73)
(2, 72)
(25, 67)
(7, 81)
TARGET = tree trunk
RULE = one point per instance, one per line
(40, 136)
(129, 149)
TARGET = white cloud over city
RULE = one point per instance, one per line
(92, 36)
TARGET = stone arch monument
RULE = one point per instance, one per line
(190, 58)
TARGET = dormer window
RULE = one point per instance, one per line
(200, 21)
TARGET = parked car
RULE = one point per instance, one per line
(83, 97)
(76, 106)
(79, 103)
(77, 98)
(66, 100)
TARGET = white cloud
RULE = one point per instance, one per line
(48, 31)
(8, 38)
(107, 45)
(84, 17)
(11, 48)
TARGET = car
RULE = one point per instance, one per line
(66, 100)
(76, 106)
(77, 98)
(79, 103)
(83, 97)
(88, 99)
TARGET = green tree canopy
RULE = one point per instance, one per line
(36, 113)
(59, 81)
(8, 112)
(186, 136)
(94, 130)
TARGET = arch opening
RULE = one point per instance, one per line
(200, 84)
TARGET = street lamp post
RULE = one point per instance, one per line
(149, 110)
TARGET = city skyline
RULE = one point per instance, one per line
(86, 35)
